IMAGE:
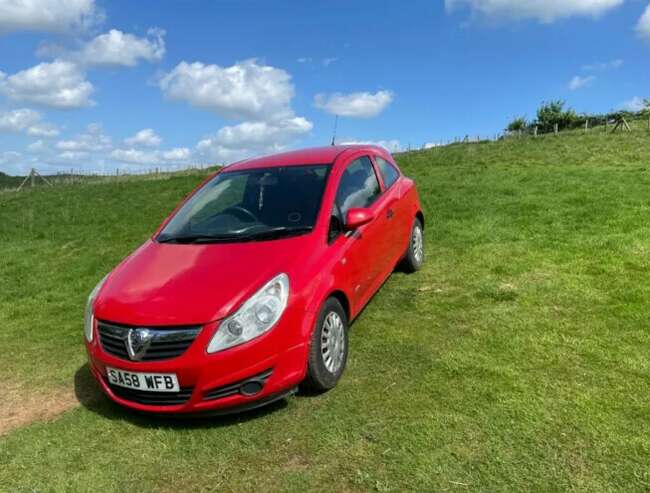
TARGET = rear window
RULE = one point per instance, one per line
(388, 172)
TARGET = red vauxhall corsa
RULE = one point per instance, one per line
(247, 290)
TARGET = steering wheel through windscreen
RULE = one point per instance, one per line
(241, 212)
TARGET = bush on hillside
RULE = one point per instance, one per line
(551, 113)
(554, 112)
(518, 124)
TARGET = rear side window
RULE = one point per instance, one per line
(359, 186)
(388, 172)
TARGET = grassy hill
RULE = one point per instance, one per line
(516, 360)
(7, 181)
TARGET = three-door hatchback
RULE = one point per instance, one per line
(247, 290)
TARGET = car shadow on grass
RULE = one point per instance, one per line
(92, 398)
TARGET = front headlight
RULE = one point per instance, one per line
(89, 319)
(255, 317)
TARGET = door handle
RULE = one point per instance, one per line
(390, 214)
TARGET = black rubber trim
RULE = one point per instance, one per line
(236, 387)
(250, 406)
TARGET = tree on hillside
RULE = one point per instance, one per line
(519, 123)
(553, 112)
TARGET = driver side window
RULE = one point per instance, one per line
(359, 187)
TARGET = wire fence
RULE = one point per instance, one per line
(586, 125)
(77, 175)
(85, 176)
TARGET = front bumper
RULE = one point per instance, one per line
(240, 378)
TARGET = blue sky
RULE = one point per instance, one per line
(97, 85)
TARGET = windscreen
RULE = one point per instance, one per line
(251, 204)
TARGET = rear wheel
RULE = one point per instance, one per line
(328, 352)
(414, 257)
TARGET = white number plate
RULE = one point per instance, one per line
(152, 382)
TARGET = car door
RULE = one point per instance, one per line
(359, 187)
(398, 218)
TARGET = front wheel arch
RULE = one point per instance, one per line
(420, 216)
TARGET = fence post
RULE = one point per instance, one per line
(535, 131)
(586, 125)
(556, 129)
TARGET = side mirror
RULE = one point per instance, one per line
(357, 218)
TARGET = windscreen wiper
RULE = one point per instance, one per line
(199, 238)
(279, 232)
(267, 234)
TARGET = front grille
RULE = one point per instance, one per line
(166, 343)
(236, 388)
(152, 398)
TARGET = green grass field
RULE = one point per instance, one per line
(517, 360)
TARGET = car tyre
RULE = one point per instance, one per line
(414, 257)
(328, 352)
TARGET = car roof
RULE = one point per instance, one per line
(314, 155)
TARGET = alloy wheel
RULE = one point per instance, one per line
(417, 242)
(333, 342)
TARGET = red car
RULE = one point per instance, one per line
(247, 290)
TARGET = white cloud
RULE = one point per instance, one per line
(145, 137)
(178, 155)
(543, 10)
(603, 66)
(118, 48)
(244, 91)
(93, 150)
(355, 105)
(325, 62)
(208, 150)
(261, 134)
(579, 82)
(59, 84)
(18, 120)
(134, 156)
(28, 121)
(46, 130)
(392, 145)
(38, 147)
(73, 156)
(643, 26)
(9, 157)
(252, 138)
(46, 15)
(635, 104)
(93, 140)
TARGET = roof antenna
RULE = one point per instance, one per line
(336, 124)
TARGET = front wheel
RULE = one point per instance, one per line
(328, 353)
(414, 257)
